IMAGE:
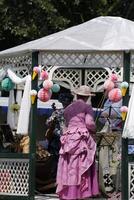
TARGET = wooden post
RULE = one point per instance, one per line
(124, 164)
(33, 132)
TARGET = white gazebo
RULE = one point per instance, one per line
(83, 54)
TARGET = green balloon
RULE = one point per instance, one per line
(7, 84)
(56, 88)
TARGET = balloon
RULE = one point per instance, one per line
(108, 85)
(115, 95)
(113, 77)
(44, 95)
(47, 84)
(44, 75)
(7, 84)
(56, 88)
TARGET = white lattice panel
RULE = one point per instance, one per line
(93, 59)
(14, 177)
(131, 181)
(72, 76)
(96, 77)
(93, 77)
(21, 71)
(20, 64)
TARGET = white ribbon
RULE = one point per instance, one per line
(23, 121)
(16, 79)
(128, 131)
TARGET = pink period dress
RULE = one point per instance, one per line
(76, 174)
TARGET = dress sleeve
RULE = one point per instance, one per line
(90, 124)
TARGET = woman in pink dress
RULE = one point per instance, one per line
(76, 174)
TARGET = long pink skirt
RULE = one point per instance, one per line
(88, 187)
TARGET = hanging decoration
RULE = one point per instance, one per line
(115, 95)
(7, 84)
(15, 79)
(36, 70)
(47, 84)
(44, 75)
(124, 110)
(108, 85)
(44, 95)
(23, 120)
(46, 88)
(113, 77)
(124, 86)
(55, 88)
(33, 94)
(15, 107)
(111, 87)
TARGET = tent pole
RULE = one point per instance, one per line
(124, 164)
(33, 131)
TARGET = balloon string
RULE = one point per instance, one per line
(100, 106)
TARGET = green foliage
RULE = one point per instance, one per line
(25, 20)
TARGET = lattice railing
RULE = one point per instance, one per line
(131, 181)
(97, 66)
(81, 59)
(22, 65)
(111, 60)
(14, 177)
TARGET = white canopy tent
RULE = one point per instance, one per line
(98, 43)
(99, 34)
(91, 50)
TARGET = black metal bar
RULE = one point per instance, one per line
(14, 155)
(33, 131)
(83, 76)
(13, 197)
(124, 165)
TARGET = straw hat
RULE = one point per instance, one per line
(84, 90)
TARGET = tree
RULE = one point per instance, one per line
(22, 21)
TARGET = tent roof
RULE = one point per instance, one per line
(99, 34)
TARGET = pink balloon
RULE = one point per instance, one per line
(44, 95)
(108, 85)
(115, 95)
(47, 84)
(44, 75)
(113, 77)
